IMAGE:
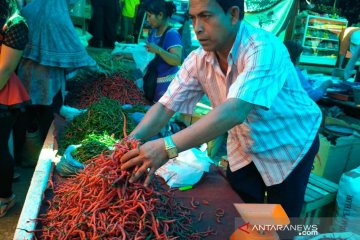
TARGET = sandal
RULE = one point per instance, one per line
(6, 204)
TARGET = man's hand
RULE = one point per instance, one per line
(149, 157)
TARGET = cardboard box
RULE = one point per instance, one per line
(353, 160)
(334, 159)
(354, 155)
(188, 119)
(200, 111)
(331, 159)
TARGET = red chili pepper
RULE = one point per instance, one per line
(205, 202)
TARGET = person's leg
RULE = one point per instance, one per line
(112, 10)
(131, 27)
(45, 114)
(96, 24)
(125, 27)
(248, 183)
(19, 135)
(290, 193)
(7, 121)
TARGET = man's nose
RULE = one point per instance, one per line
(198, 26)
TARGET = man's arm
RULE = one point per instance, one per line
(152, 155)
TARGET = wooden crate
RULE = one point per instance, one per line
(319, 194)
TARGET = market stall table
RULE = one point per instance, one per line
(349, 107)
(216, 190)
(213, 188)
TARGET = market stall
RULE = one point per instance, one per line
(212, 192)
(108, 105)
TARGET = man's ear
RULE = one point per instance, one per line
(234, 12)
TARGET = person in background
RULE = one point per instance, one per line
(128, 17)
(104, 22)
(13, 96)
(295, 49)
(349, 41)
(158, 13)
(53, 55)
(139, 18)
(256, 96)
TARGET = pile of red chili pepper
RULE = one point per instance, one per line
(100, 203)
(83, 94)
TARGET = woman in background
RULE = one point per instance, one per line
(158, 13)
(52, 56)
(13, 38)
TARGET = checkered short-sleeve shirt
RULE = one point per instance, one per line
(280, 129)
(14, 33)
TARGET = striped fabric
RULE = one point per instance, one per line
(280, 129)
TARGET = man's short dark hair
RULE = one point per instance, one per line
(226, 4)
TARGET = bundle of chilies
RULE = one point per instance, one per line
(114, 87)
(100, 203)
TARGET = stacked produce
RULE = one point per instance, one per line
(125, 67)
(105, 117)
(92, 145)
(84, 93)
(100, 203)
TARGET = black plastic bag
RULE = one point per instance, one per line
(150, 80)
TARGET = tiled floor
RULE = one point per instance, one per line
(20, 187)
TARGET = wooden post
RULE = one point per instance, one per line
(290, 28)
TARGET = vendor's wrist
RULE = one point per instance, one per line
(170, 147)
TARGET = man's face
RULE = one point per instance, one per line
(212, 25)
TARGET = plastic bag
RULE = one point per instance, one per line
(185, 170)
(67, 165)
(69, 113)
(138, 51)
(348, 203)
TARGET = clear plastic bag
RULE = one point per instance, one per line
(68, 166)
